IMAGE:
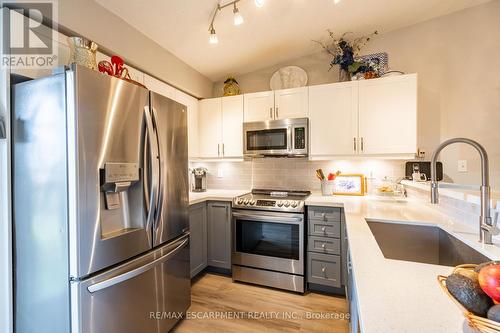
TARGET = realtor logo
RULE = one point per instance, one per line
(29, 34)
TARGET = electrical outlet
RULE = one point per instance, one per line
(420, 153)
(220, 173)
(462, 166)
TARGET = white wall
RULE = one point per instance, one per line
(455, 57)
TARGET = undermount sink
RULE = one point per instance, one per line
(424, 244)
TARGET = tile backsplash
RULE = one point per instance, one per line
(287, 173)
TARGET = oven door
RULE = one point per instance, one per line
(268, 240)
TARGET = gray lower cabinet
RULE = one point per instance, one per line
(219, 234)
(324, 269)
(198, 237)
(326, 247)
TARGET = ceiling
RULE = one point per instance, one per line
(279, 31)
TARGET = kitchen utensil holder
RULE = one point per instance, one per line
(327, 187)
(481, 324)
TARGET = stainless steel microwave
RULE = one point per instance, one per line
(283, 137)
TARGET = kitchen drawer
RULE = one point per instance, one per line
(331, 214)
(324, 269)
(323, 245)
(326, 229)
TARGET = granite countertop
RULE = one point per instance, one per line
(393, 295)
(217, 195)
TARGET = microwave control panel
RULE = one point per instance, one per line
(300, 138)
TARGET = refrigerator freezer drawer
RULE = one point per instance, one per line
(130, 297)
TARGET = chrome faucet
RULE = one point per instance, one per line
(485, 221)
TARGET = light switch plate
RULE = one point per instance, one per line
(220, 173)
(462, 166)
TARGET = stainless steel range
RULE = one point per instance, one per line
(268, 238)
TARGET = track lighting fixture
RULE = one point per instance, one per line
(238, 18)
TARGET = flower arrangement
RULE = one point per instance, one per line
(344, 52)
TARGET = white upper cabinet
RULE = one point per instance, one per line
(220, 126)
(388, 115)
(291, 103)
(277, 104)
(192, 108)
(333, 119)
(232, 126)
(258, 106)
(210, 128)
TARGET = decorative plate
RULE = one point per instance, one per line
(288, 77)
(380, 59)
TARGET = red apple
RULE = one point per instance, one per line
(489, 280)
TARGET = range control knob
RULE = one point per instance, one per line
(239, 201)
(245, 201)
(279, 203)
(287, 203)
(252, 202)
(294, 204)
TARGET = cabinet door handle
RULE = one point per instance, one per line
(362, 144)
(323, 270)
(323, 229)
(271, 113)
(354, 139)
(323, 245)
(218, 149)
(277, 114)
(223, 150)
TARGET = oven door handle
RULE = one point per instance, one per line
(269, 218)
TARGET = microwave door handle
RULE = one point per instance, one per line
(151, 161)
(290, 138)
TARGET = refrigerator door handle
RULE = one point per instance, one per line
(151, 195)
(138, 271)
(161, 186)
(3, 130)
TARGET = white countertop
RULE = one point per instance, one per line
(393, 295)
(216, 195)
(400, 296)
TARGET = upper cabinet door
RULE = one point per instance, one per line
(333, 119)
(291, 103)
(192, 109)
(210, 128)
(388, 115)
(258, 106)
(232, 126)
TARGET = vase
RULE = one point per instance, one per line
(344, 75)
(231, 87)
(83, 52)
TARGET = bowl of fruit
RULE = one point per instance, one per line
(476, 290)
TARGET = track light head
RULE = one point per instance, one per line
(238, 19)
(212, 39)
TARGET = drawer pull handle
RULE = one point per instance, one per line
(323, 270)
(323, 245)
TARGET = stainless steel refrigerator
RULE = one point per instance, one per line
(100, 191)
